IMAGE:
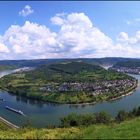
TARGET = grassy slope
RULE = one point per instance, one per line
(128, 130)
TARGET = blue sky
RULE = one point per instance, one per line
(117, 25)
(105, 15)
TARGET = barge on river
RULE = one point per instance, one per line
(14, 110)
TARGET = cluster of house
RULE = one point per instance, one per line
(127, 70)
(94, 88)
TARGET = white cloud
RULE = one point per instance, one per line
(132, 41)
(77, 37)
(27, 10)
(3, 48)
(29, 40)
(57, 20)
(122, 37)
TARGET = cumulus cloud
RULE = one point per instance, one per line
(27, 10)
(58, 19)
(130, 41)
(3, 48)
(122, 37)
(30, 40)
(77, 37)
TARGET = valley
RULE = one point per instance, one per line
(64, 88)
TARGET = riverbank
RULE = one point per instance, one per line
(131, 92)
(78, 103)
(113, 99)
(9, 124)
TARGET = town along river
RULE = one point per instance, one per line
(40, 114)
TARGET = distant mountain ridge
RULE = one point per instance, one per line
(129, 64)
(107, 61)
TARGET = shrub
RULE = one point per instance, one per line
(103, 117)
(138, 111)
(70, 120)
(85, 119)
(121, 116)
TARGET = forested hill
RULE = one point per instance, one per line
(38, 62)
(72, 72)
(129, 64)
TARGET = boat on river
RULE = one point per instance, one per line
(14, 110)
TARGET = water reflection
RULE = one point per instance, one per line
(73, 106)
(32, 101)
(21, 99)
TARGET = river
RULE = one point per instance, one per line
(40, 114)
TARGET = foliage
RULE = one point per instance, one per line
(124, 130)
(85, 119)
(83, 126)
(121, 116)
(132, 63)
(28, 83)
(7, 67)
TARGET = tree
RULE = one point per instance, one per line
(103, 117)
(138, 111)
(121, 116)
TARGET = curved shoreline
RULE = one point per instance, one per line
(80, 103)
(113, 99)
(76, 104)
(124, 95)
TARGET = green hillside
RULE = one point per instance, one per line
(7, 67)
(72, 71)
(125, 130)
(128, 64)
(69, 82)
